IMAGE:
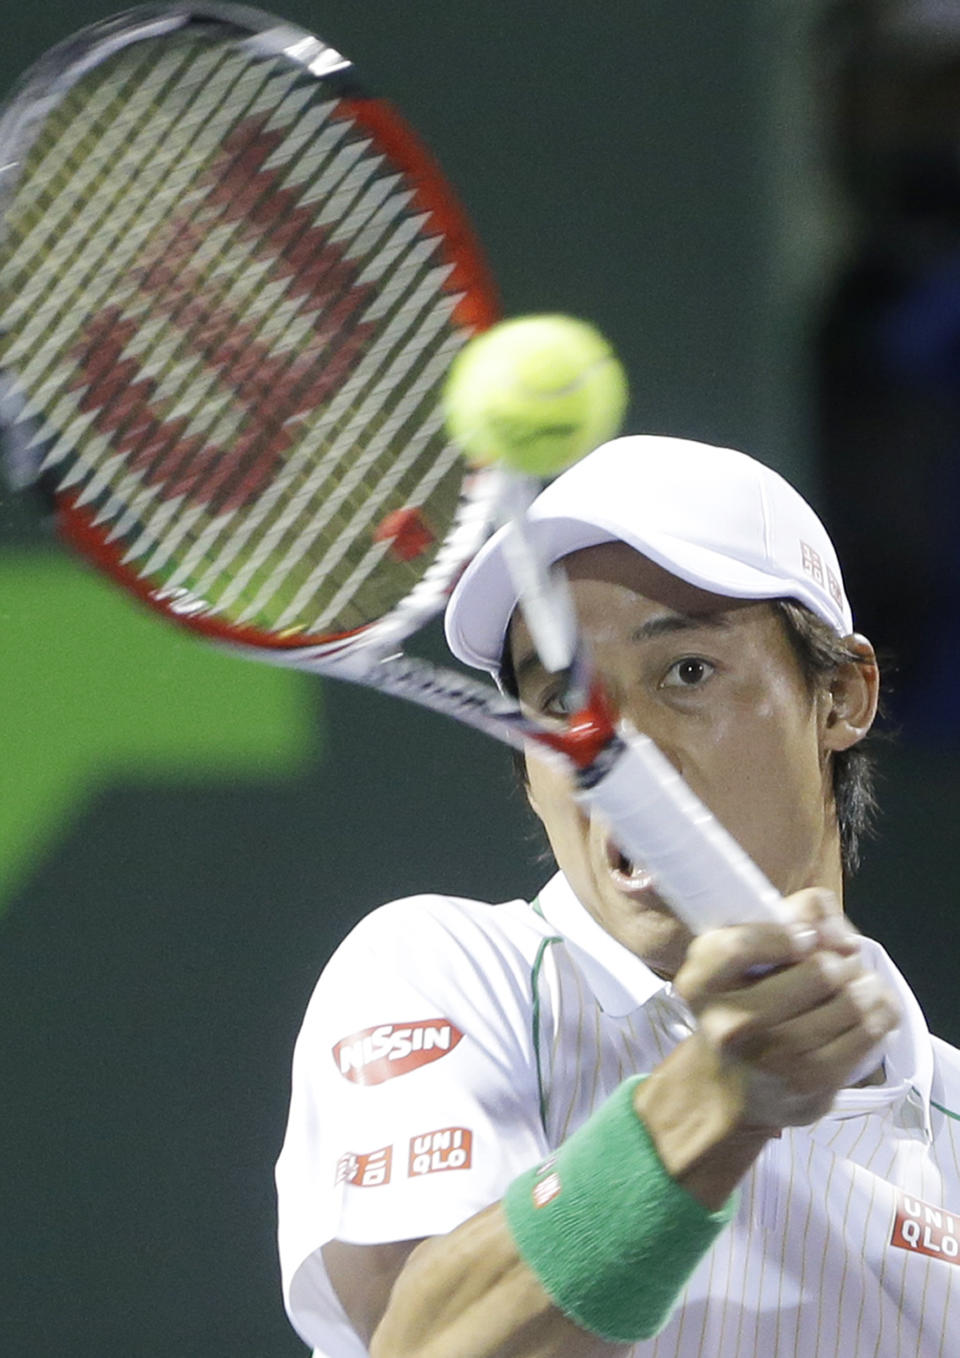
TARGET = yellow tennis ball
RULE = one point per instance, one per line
(536, 393)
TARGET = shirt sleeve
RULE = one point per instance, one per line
(414, 1098)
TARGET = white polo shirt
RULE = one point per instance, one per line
(450, 1045)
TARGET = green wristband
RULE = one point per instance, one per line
(610, 1235)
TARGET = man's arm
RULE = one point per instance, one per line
(470, 1293)
(768, 1053)
(467, 1293)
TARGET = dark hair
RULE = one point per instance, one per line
(820, 653)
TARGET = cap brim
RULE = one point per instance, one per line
(485, 597)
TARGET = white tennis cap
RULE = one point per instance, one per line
(711, 516)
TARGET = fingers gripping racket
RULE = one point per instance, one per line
(231, 286)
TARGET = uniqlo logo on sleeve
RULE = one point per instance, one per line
(446, 1148)
(377, 1054)
(924, 1229)
(365, 1171)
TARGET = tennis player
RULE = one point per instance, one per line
(565, 1127)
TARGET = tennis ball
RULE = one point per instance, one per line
(536, 393)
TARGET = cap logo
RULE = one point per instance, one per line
(833, 584)
(812, 564)
(821, 574)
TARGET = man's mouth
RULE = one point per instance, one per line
(628, 876)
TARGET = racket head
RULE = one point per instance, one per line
(231, 285)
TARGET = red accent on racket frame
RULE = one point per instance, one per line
(588, 732)
(406, 531)
(479, 308)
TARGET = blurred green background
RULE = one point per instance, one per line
(184, 837)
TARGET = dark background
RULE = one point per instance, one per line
(186, 838)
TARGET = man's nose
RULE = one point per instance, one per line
(643, 714)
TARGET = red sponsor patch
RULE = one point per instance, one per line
(377, 1054)
(446, 1148)
(924, 1229)
(365, 1171)
(545, 1190)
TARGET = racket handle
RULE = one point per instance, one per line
(699, 868)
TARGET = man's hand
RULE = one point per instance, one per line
(790, 1013)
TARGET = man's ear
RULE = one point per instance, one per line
(852, 696)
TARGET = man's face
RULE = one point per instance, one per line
(715, 683)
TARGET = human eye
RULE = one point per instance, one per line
(692, 671)
(554, 701)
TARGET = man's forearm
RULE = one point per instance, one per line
(693, 1106)
(474, 1293)
(469, 1293)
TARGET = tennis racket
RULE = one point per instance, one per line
(231, 286)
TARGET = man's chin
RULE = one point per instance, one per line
(642, 921)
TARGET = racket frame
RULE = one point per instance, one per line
(45, 85)
(616, 772)
(51, 77)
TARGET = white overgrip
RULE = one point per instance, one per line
(698, 867)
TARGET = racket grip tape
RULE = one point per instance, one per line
(698, 867)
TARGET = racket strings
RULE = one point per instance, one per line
(346, 509)
(342, 490)
(107, 213)
(210, 533)
(229, 325)
(89, 126)
(112, 226)
(370, 217)
(92, 225)
(339, 496)
(197, 306)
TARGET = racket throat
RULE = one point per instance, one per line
(589, 739)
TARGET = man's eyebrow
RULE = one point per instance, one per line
(526, 663)
(664, 625)
(679, 622)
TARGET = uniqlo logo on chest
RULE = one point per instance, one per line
(377, 1054)
(365, 1171)
(447, 1148)
(926, 1230)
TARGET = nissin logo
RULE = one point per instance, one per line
(377, 1054)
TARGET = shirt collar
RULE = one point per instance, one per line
(617, 977)
(907, 1053)
(622, 983)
